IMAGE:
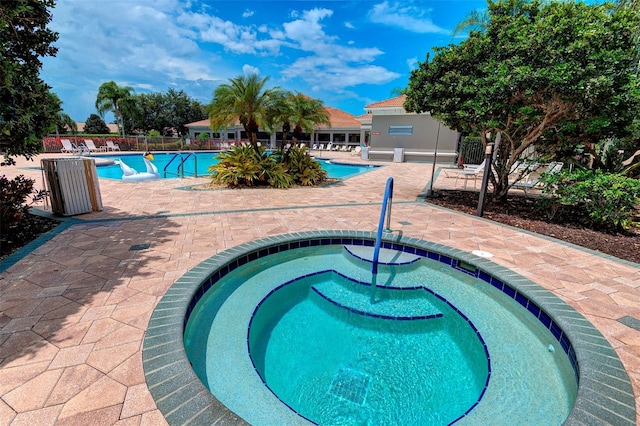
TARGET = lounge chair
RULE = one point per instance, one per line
(470, 171)
(532, 180)
(68, 147)
(356, 150)
(112, 146)
(91, 146)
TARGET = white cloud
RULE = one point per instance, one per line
(406, 16)
(175, 43)
(248, 13)
(349, 25)
(250, 69)
(412, 63)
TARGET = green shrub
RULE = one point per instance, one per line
(281, 169)
(13, 202)
(595, 199)
(303, 168)
(243, 165)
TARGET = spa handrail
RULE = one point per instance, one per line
(386, 211)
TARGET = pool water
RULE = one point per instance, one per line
(204, 161)
(273, 342)
(379, 369)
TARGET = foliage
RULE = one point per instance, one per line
(153, 134)
(244, 99)
(13, 203)
(304, 170)
(95, 125)
(115, 99)
(166, 112)
(598, 200)
(539, 75)
(27, 109)
(244, 166)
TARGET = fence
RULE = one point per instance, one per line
(137, 143)
(472, 151)
(53, 144)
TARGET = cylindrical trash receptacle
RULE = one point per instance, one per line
(398, 155)
(72, 184)
(364, 153)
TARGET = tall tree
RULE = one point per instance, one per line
(115, 99)
(95, 125)
(183, 110)
(557, 69)
(245, 99)
(27, 111)
(306, 114)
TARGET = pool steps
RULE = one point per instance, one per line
(386, 303)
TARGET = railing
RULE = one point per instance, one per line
(386, 211)
(180, 169)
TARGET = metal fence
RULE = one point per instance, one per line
(471, 151)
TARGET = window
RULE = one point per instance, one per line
(400, 130)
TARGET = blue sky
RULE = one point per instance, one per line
(345, 53)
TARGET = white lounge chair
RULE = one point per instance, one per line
(92, 147)
(112, 146)
(532, 180)
(470, 171)
(68, 147)
(356, 150)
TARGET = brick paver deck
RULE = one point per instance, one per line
(73, 311)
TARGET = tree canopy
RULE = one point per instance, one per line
(246, 99)
(538, 75)
(27, 109)
(165, 112)
(115, 99)
(95, 125)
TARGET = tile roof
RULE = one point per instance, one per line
(398, 101)
(338, 118)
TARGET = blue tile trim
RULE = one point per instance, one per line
(578, 338)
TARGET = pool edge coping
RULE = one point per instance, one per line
(604, 394)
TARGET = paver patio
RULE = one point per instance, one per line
(73, 312)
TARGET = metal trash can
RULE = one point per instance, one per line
(398, 155)
(72, 184)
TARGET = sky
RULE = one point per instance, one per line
(345, 53)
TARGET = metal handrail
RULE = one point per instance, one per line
(386, 211)
(181, 165)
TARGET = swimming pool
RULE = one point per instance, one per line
(558, 333)
(203, 161)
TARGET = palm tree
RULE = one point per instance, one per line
(246, 100)
(306, 114)
(113, 98)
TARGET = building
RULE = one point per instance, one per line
(344, 129)
(387, 131)
(392, 133)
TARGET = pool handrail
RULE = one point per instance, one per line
(385, 211)
(181, 165)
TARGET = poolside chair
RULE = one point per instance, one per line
(469, 172)
(356, 150)
(532, 180)
(112, 146)
(91, 146)
(68, 147)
